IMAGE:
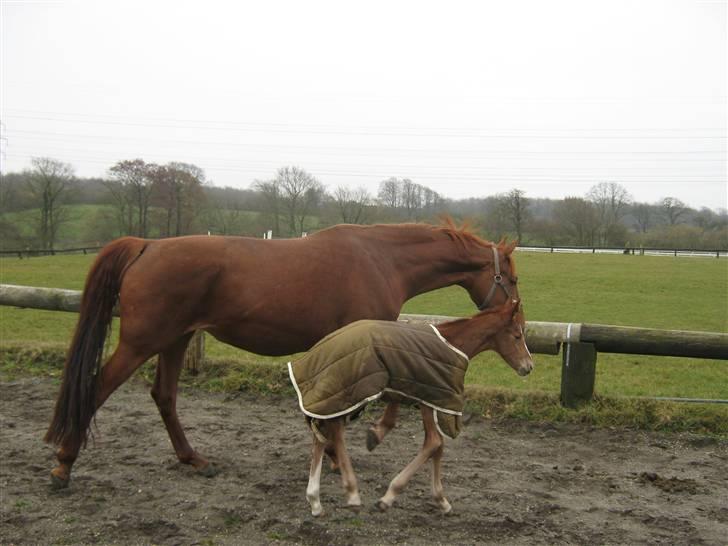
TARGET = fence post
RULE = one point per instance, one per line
(195, 352)
(578, 371)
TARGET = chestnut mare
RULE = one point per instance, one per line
(271, 297)
(496, 329)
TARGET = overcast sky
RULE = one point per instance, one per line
(468, 98)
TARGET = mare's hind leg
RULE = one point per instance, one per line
(382, 426)
(164, 393)
(432, 443)
(122, 364)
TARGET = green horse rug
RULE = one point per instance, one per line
(371, 359)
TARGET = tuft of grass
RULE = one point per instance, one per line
(497, 403)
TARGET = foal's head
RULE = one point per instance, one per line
(510, 342)
(497, 328)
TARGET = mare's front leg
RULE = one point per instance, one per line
(348, 478)
(313, 490)
(382, 426)
(164, 393)
(432, 443)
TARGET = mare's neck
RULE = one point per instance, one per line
(424, 258)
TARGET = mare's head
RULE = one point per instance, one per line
(490, 277)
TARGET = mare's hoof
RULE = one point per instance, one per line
(372, 440)
(356, 508)
(59, 483)
(208, 471)
(381, 506)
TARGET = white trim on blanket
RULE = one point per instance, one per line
(360, 403)
(446, 342)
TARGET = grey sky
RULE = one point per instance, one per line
(468, 98)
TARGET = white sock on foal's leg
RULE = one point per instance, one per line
(313, 490)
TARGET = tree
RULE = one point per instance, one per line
(178, 190)
(642, 217)
(389, 194)
(271, 196)
(131, 187)
(299, 193)
(673, 209)
(516, 210)
(351, 204)
(611, 201)
(49, 182)
(578, 217)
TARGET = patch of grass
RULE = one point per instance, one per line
(22, 504)
(498, 403)
(646, 291)
(603, 411)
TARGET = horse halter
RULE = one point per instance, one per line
(497, 281)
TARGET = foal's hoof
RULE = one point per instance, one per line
(372, 440)
(381, 506)
(208, 471)
(58, 482)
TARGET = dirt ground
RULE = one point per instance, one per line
(509, 483)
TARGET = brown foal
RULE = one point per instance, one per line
(496, 329)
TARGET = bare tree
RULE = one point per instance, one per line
(352, 204)
(272, 197)
(178, 189)
(516, 210)
(300, 193)
(642, 217)
(579, 218)
(50, 180)
(131, 188)
(673, 209)
(389, 193)
(611, 201)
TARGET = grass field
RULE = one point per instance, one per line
(657, 292)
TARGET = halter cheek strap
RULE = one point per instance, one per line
(497, 281)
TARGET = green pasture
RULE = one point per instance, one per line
(646, 291)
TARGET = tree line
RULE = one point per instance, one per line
(150, 200)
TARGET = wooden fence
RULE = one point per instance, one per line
(642, 251)
(579, 343)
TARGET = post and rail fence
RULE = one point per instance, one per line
(566, 249)
(579, 343)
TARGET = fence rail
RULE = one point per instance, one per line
(556, 249)
(580, 341)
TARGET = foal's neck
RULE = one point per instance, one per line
(471, 335)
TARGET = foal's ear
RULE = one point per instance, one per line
(516, 307)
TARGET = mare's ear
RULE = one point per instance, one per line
(510, 247)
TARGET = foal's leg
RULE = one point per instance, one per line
(313, 491)
(382, 426)
(437, 490)
(433, 442)
(122, 364)
(164, 393)
(335, 429)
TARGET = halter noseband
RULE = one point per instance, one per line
(497, 281)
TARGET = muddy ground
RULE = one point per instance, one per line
(509, 483)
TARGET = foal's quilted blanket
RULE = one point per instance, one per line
(369, 359)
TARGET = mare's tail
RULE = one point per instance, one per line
(76, 402)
